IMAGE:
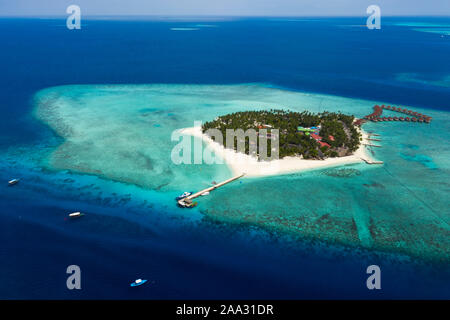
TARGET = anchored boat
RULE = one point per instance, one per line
(75, 215)
(184, 195)
(13, 182)
(138, 282)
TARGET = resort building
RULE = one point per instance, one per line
(319, 140)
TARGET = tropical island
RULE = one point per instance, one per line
(301, 134)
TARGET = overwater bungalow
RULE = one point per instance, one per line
(375, 116)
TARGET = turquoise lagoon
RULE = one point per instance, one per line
(123, 133)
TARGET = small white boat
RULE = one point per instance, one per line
(137, 282)
(13, 182)
(205, 193)
(76, 215)
(184, 195)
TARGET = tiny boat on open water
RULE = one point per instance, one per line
(75, 215)
(138, 282)
(13, 182)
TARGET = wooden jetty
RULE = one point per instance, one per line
(372, 161)
(371, 145)
(186, 202)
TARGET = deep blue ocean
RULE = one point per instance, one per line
(336, 56)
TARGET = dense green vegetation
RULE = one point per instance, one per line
(291, 141)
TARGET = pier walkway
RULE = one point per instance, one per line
(198, 194)
(187, 202)
(368, 144)
(371, 145)
(371, 162)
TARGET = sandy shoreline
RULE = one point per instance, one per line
(242, 163)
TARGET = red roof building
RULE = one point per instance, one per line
(322, 144)
(319, 138)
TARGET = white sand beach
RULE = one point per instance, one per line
(242, 163)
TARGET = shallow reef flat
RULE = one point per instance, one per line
(123, 133)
